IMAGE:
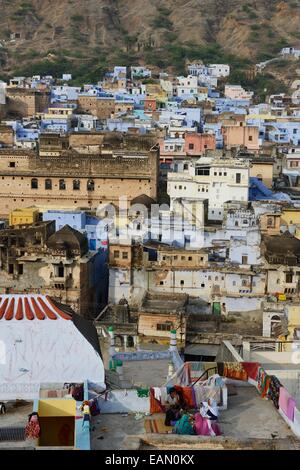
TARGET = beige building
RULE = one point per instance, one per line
(25, 102)
(35, 259)
(71, 173)
(101, 107)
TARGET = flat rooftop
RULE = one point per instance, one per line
(250, 422)
(146, 373)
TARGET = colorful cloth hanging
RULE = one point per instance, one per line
(235, 370)
(252, 369)
(274, 390)
(263, 382)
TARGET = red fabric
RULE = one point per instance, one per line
(155, 405)
(252, 369)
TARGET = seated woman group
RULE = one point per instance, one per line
(203, 423)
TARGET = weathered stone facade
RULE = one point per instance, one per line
(25, 102)
(35, 259)
(59, 175)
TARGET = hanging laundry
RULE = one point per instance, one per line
(252, 369)
(235, 370)
(263, 382)
(274, 390)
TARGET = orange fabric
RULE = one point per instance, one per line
(235, 370)
(187, 394)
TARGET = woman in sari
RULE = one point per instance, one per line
(184, 426)
(175, 404)
(206, 421)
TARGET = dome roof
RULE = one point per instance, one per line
(68, 239)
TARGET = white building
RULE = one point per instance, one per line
(218, 180)
(42, 343)
(218, 70)
(187, 86)
(292, 51)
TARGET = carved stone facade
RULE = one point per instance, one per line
(59, 175)
(35, 259)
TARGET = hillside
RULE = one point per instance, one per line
(86, 36)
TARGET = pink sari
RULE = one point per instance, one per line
(205, 427)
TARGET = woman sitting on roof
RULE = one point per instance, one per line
(176, 404)
(206, 420)
(184, 425)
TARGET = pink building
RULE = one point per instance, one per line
(196, 144)
(241, 136)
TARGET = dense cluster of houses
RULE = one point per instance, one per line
(211, 178)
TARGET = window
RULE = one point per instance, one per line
(91, 185)
(125, 255)
(10, 269)
(164, 326)
(161, 283)
(20, 269)
(182, 283)
(250, 138)
(244, 282)
(182, 258)
(76, 185)
(48, 184)
(12, 164)
(34, 183)
(62, 185)
(270, 222)
(116, 254)
(202, 171)
(289, 278)
(238, 177)
(244, 259)
(190, 258)
(61, 271)
(191, 146)
(186, 166)
(202, 285)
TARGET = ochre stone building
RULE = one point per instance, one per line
(85, 170)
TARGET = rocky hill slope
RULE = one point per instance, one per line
(87, 35)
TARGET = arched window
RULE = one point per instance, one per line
(76, 185)
(91, 185)
(186, 166)
(34, 183)
(48, 184)
(62, 185)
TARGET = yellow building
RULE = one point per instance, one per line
(57, 421)
(290, 216)
(263, 170)
(26, 216)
